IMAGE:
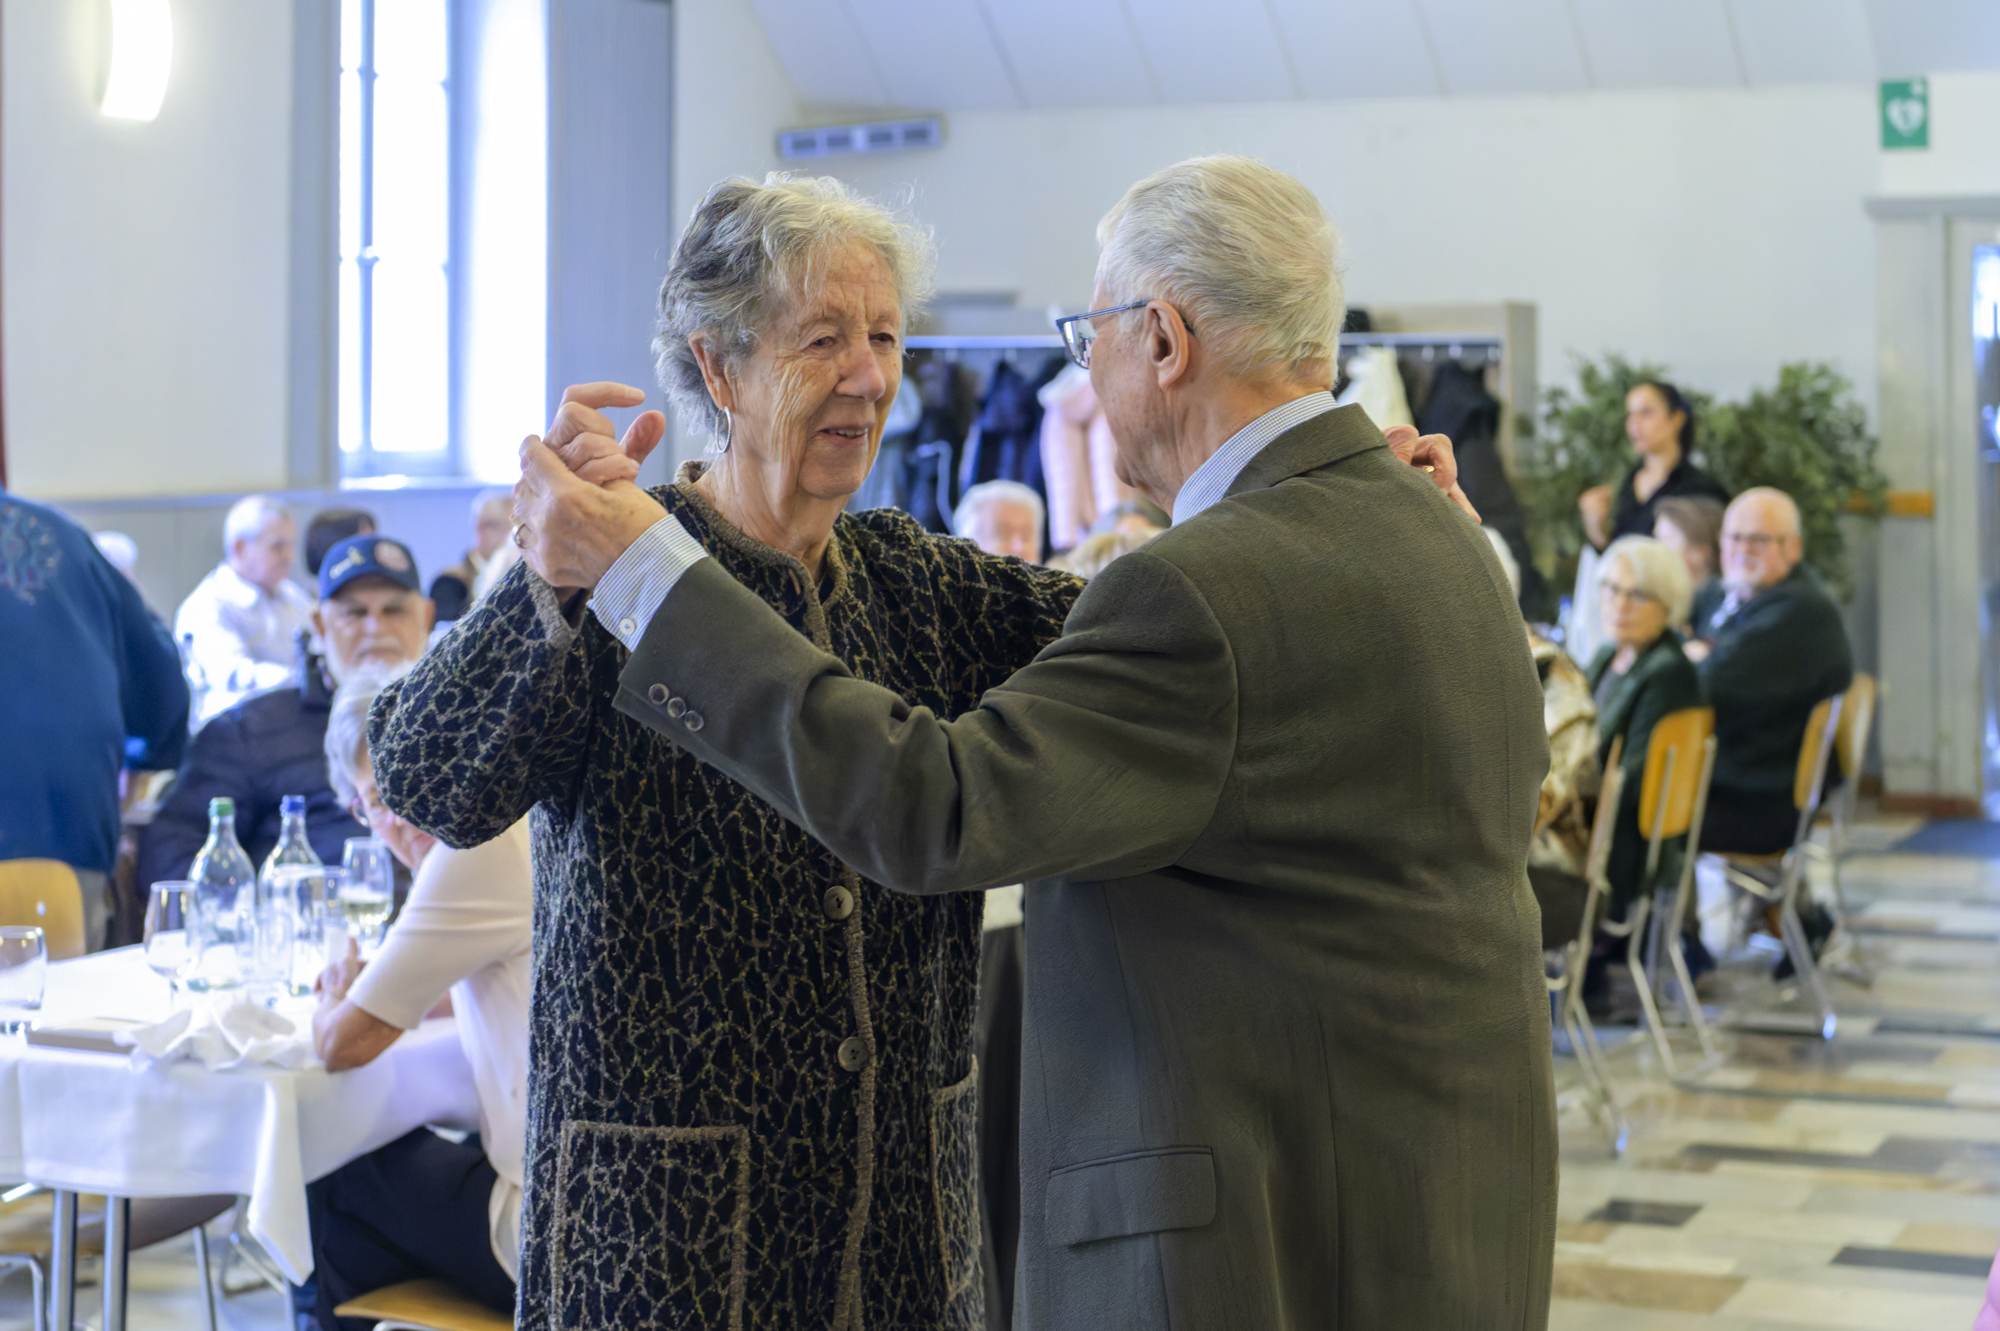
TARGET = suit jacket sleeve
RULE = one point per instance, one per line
(1103, 757)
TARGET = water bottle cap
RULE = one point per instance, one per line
(221, 808)
(292, 804)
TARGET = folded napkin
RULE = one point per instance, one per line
(242, 1033)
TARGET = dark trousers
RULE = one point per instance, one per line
(414, 1209)
(1002, 972)
(1749, 822)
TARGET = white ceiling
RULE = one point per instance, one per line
(967, 55)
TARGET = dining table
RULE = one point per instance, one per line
(127, 1126)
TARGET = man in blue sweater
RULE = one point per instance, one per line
(88, 673)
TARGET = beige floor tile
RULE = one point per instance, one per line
(1941, 1236)
(1831, 1305)
(1673, 1290)
(1817, 1226)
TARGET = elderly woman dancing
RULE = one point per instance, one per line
(752, 1095)
(752, 1080)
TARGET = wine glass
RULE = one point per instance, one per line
(173, 935)
(367, 889)
(24, 966)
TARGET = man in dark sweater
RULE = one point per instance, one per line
(371, 610)
(89, 679)
(1771, 647)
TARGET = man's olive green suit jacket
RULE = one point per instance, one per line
(1287, 1042)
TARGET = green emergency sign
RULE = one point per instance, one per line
(1906, 113)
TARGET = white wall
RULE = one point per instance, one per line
(146, 265)
(1718, 231)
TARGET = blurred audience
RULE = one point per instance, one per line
(1771, 649)
(1095, 553)
(424, 1206)
(1139, 514)
(1638, 676)
(492, 521)
(1002, 518)
(1660, 425)
(1691, 526)
(90, 683)
(329, 527)
(237, 628)
(371, 611)
(120, 550)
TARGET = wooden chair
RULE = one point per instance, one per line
(1673, 796)
(44, 893)
(1576, 958)
(1850, 745)
(1746, 872)
(425, 1305)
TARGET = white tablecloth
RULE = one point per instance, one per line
(102, 1123)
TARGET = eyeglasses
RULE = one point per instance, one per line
(1078, 332)
(1618, 591)
(365, 811)
(1754, 539)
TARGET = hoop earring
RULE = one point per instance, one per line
(728, 431)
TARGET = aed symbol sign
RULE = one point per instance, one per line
(1906, 113)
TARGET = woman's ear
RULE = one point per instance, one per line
(713, 374)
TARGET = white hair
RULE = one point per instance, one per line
(750, 251)
(120, 550)
(347, 722)
(1656, 570)
(988, 493)
(247, 517)
(1244, 250)
(497, 497)
(1508, 564)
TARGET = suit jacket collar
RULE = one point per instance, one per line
(1319, 442)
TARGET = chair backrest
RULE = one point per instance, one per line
(1682, 735)
(44, 893)
(1822, 728)
(1857, 715)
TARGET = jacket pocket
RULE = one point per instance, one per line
(1143, 1192)
(955, 1180)
(649, 1227)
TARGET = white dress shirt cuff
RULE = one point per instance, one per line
(634, 587)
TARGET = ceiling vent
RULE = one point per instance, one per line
(885, 136)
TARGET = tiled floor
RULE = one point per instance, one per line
(1852, 1183)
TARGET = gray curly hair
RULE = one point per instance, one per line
(752, 249)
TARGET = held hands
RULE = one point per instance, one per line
(1433, 453)
(576, 504)
(1595, 506)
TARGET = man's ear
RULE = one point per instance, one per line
(1167, 344)
(430, 617)
(319, 623)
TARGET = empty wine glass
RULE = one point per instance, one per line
(173, 938)
(24, 966)
(367, 889)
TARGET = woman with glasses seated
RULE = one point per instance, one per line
(1638, 676)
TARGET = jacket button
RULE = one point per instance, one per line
(853, 1054)
(676, 707)
(658, 695)
(693, 721)
(838, 903)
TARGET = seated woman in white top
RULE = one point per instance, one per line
(424, 1206)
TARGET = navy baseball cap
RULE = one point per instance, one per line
(364, 556)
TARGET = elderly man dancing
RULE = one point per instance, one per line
(1287, 1058)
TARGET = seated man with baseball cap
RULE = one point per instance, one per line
(372, 611)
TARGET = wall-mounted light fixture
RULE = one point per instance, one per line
(142, 54)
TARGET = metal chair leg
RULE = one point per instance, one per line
(1677, 954)
(1643, 981)
(1596, 1070)
(62, 1267)
(201, 1267)
(1799, 948)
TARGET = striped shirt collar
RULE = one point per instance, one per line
(1212, 479)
